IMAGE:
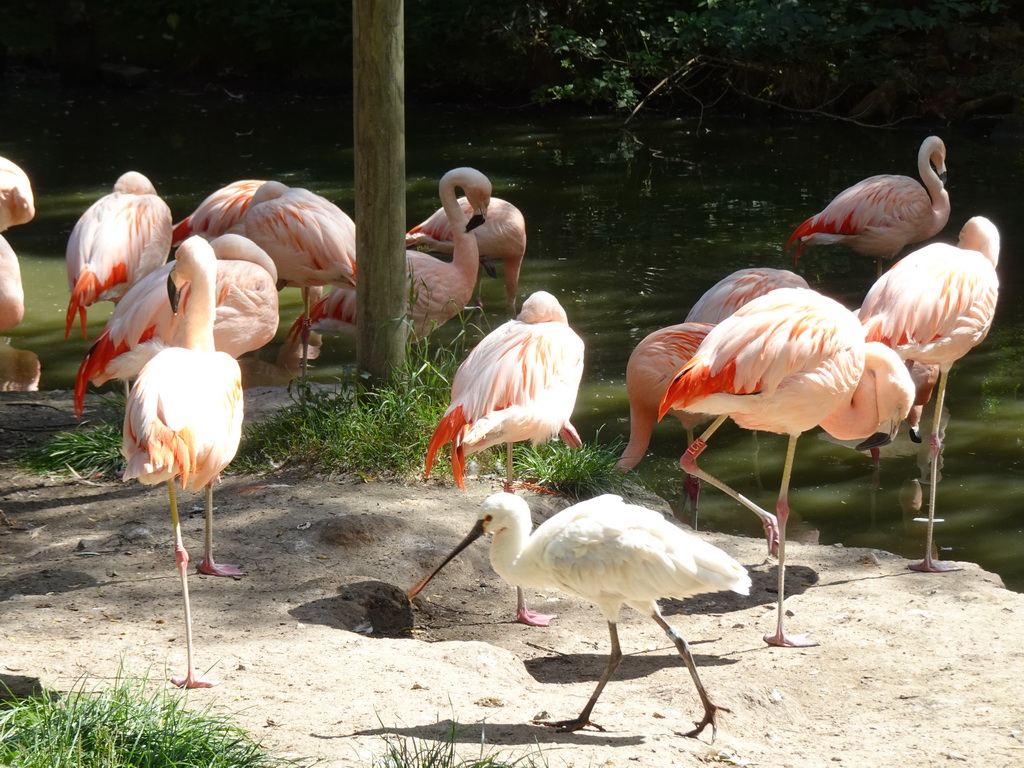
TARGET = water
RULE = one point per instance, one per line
(627, 227)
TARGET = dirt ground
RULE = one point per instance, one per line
(316, 658)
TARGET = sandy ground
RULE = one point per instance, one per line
(316, 656)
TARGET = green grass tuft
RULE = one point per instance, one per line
(410, 752)
(92, 450)
(381, 432)
(123, 726)
(579, 473)
(351, 429)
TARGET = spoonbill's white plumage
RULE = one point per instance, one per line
(610, 553)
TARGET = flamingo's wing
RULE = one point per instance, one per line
(938, 292)
(785, 332)
(220, 213)
(310, 239)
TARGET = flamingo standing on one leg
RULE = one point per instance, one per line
(881, 215)
(221, 213)
(438, 290)
(610, 553)
(246, 316)
(120, 239)
(502, 237)
(311, 240)
(933, 307)
(183, 418)
(787, 362)
(519, 383)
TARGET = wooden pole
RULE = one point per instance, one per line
(378, 28)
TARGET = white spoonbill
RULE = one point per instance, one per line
(183, 418)
(610, 553)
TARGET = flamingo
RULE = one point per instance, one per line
(311, 240)
(221, 213)
(438, 290)
(246, 315)
(17, 204)
(881, 215)
(610, 553)
(183, 418)
(519, 383)
(933, 307)
(502, 236)
(787, 362)
(120, 239)
(12, 294)
(736, 289)
(655, 360)
(652, 364)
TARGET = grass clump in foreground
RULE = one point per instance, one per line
(402, 752)
(123, 726)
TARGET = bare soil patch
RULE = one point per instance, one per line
(316, 655)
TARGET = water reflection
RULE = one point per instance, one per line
(20, 369)
(628, 229)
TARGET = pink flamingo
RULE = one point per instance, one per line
(221, 213)
(183, 418)
(438, 290)
(786, 362)
(246, 315)
(519, 383)
(658, 357)
(17, 204)
(502, 236)
(652, 364)
(734, 290)
(881, 215)
(12, 293)
(120, 239)
(933, 307)
(311, 240)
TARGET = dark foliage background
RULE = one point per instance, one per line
(877, 62)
